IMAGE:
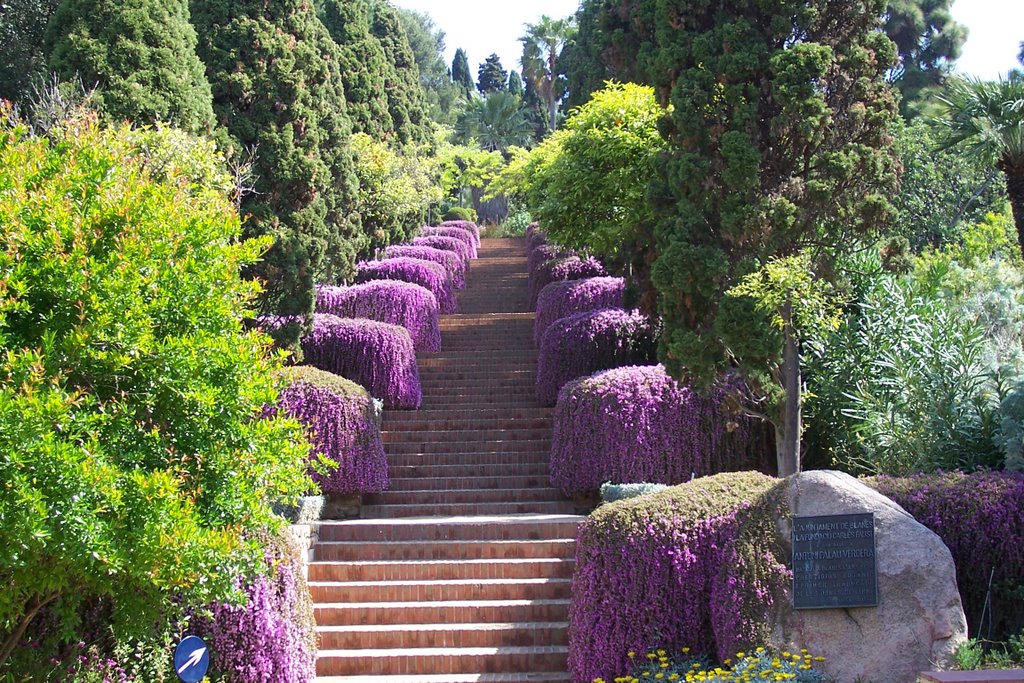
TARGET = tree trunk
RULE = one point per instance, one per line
(787, 434)
(31, 610)
(1015, 191)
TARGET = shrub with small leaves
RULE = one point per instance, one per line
(467, 236)
(451, 260)
(545, 252)
(456, 246)
(563, 298)
(567, 268)
(469, 226)
(387, 301)
(431, 276)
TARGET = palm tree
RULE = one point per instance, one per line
(542, 45)
(986, 118)
(496, 122)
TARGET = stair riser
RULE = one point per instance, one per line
(383, 615)
(467, 483)
(469, 531)
(467, 459)
(453, 571)
(453, 497)
(555, 589)
(459, 436)
(440, 664)
(526, 635)
(425, 472)
(521, 446)
(468, 509)
(488, 550)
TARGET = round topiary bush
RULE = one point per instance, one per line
(342, 422)
(585, 343)
(460, 234)
(377, 355)
(431, 276)
(455, 264)
(567, 268)
(387, 301)
(543, 253)
(636, 424)
(460, 247)
(563, 298)
(460, 214)
(464, 225)
(698, 565)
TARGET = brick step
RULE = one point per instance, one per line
(550, 677)
(441, 660)
(467, 435)
(440, 590)
(390, 551)
(456, 496)
(475, 446)
(505, 393)
(411, 428)
(537, 455)
(392, 511)
(532, 469)
(478, 483)
(460, 361)
(408, 636)
(465, 415)
(496, 402)
(506, 527)
(456, 612)
(553, 568)
(477, 374)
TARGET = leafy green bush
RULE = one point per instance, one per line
(460, 213)
(612, 492)
(130, 452)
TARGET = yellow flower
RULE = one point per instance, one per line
(631, 654)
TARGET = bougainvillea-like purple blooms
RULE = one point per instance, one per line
(464, 225)
(458, 247)
(543, 253)
(343, 425)
(387, 301)
(636, 424)
(377, 355)
(454, 233)
(980, 518)
(692, 566)
(585, 343)
(455, 264)
(269, 639)
(565, 297)
(568, 268)
(431, 276)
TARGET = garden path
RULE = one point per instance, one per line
(461, 571)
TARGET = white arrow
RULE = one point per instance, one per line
(193, 659)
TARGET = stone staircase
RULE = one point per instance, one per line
(461, 571)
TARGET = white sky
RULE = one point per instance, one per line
(480, 28)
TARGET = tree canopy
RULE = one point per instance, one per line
(491, 77)
(460, 71)
(542, 46)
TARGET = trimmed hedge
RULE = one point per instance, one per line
(534, 240)
(638, 425)
(545, 252)
(568, 268)
(343, 424)
(469, 226)
(431, 276)
(455, 264)
(466, 236)
(980, 518)
(456, 246)
(566, 297)
(387, 301)
(585, 343)
(377, 355)
(697, 565)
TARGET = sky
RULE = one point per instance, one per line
(481, 28)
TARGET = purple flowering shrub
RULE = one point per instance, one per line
(637, 424)
(458, 247)
(565, 297)
(377, 355)
(430, 276)
(585, 343)
(697, 565)
(272, 636)
(465, 236)
(980, 518)
(387, 301)
(545, 252)
(567, 268)
(452, 262)
(468, 226)
(343, 424)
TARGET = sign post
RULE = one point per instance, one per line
(191, 659)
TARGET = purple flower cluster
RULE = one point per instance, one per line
(469, 238)
(587, 342)
(690, 566)
(377, 355)
(426, 274)
(387, 301)
(545, 252)
(452, 262)
(269, 639)
(980, 518)
(458, 247)
(565, 297)
(637, 424)
(567, 268)
(342, 423)
(469, 226)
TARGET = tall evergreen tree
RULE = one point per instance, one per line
(406, 100)
(277, 87)
(461, 75)
(515, 84)
(491, 77)
(603, 48)
(141, 54)
(427, 44)
(22, 31)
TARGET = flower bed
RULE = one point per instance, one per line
(568, 268)
(464, 236)
(468, 226)
(980, 518)
(694, 566)
(566, 297)
(637, 424)
(387, 301)
(343, 424)
(585, 343)
(545, 252)
(458, 247)
(377, 355)
(452, 262)
(431, 276)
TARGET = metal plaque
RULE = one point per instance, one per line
(834, 562)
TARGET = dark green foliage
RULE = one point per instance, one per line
(460, 72)
(460, 213)
(515, 84)
(491, 77)
(277, 87)
(603, 49)
(402, 81)
(22, 60)
(141, 56)
(496, 121)
(928, 41)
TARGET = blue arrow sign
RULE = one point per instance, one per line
(191, 659)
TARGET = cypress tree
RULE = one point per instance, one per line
(515, 84)
(460, 71)
(406, 99)
(491, 77)
(140, 53)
